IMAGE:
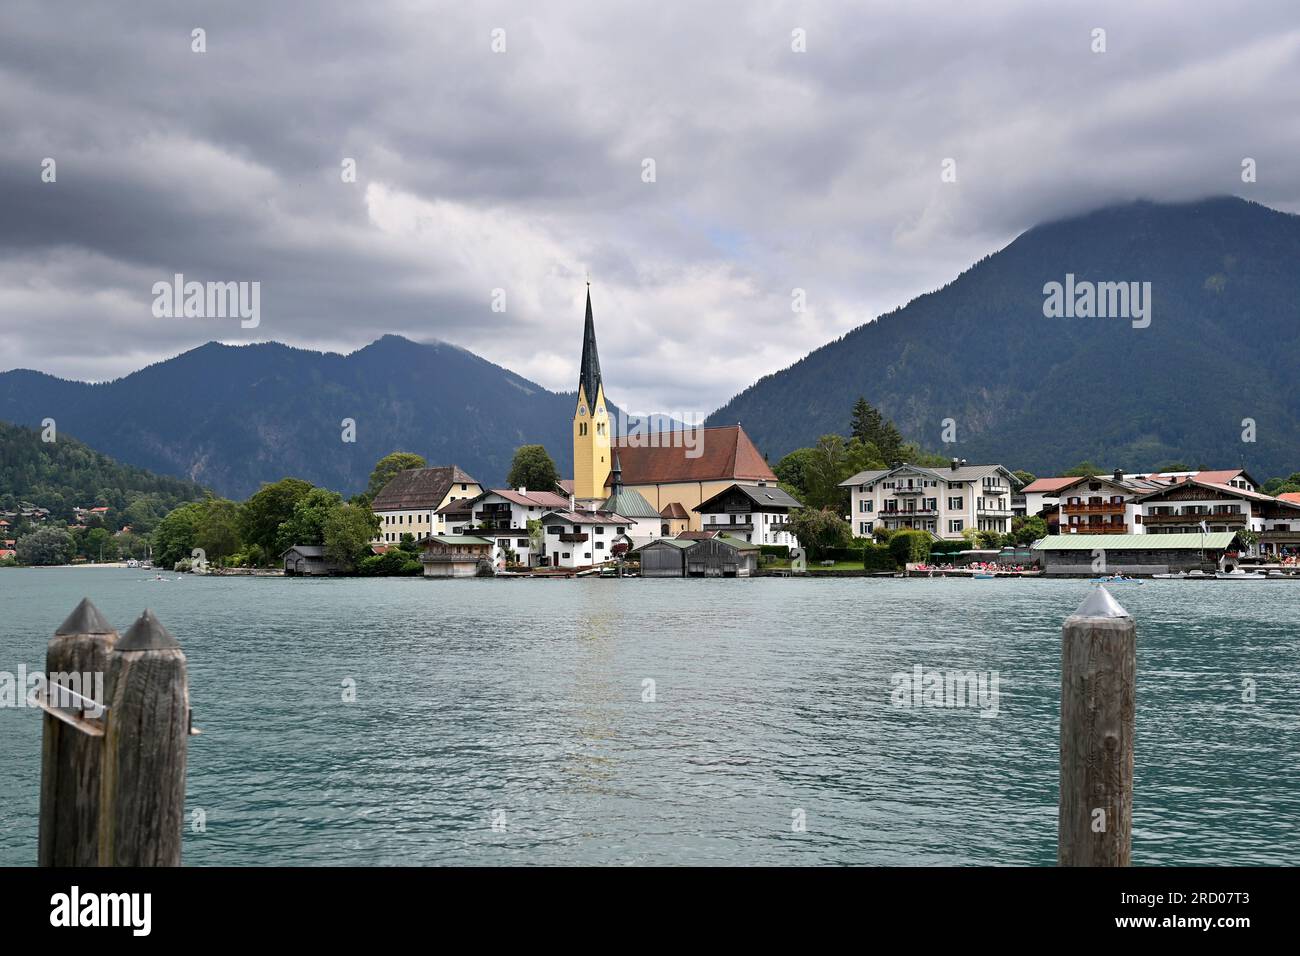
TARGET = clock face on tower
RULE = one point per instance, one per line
(582, 409)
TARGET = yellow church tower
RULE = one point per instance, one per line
(591, 438)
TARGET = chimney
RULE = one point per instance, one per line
(1119, 474)
(522, 489)
(573, 505)
(955, 464)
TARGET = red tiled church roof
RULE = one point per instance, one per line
(724, 454)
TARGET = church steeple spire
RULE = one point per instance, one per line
(591, 432)
(589, 373)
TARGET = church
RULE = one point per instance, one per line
(652, 474)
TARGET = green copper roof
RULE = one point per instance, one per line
(1215, 540)
(630, 503)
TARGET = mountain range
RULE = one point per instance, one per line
(977, 361)
(1216, 364)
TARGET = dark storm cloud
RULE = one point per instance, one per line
(522, 170)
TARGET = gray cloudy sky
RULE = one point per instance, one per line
(522, 170)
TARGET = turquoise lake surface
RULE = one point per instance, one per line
(507, 721)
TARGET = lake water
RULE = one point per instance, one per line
(521, 702)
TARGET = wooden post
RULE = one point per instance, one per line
(1098, 697)
(142, 795)
(71, 746)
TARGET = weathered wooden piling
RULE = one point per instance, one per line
(1098, 700)
(71, 745)
(142, 785)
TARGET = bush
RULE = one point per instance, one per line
(910, 546)
(392, 563)
(876, 557)
(851, 553)
(780, 551)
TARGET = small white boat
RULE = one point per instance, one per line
(1240, 575)
(1175, 576)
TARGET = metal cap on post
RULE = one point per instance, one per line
(1098, 702)
(76, 665)
(142, 797)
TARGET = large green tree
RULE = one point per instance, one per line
(386, 468)
(173, 539)
(45, 546)
(217, 531)
(268, 508)
(533, 469)
(347, 532)
(819, 529)
(307, 523)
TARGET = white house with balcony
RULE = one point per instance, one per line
(580, 539)
(752, 512)
(502, 515)
(944, 501)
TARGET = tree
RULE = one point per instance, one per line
(1281, 486)
(910, 546)
(1085, 469)
(173, 539)
(826, 468)
(1028, 530)
(866, 421)
(45, 546)
(989, 539)
(792, 471)
(217, 530)
(268, 508)
(533, 468)
(99, 545)
(819, 529)
(347, 532)
(307, 523)
(535, 536)
(861, 456)
(1024, 477)
(386, 468)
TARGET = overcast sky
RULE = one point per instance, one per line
(523, 170)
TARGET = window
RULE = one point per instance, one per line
(955, 504)
(864, 527)
(556, 530)
(587, 555)
(565, 556)
(600, 530)
(521, 542)
(955, 526)
(619, 530)
(600, 545)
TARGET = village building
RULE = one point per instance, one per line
(699, 554)
(503, 515)
(1190, 505)
(1040, 496)
(456, 555)
(308, 559)
(756, 513)
(664, 557)
(673, 520)
(581, 539)
(1095, 555)
(412, 501)
(944, 501)
(683, 467)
